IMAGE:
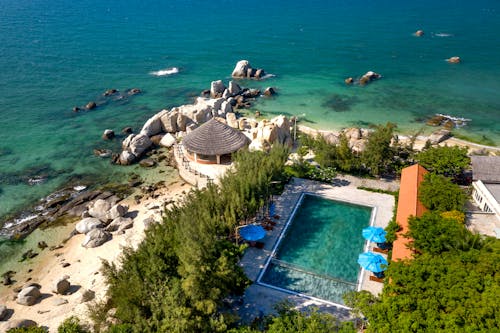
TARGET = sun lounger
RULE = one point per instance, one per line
(379, 250)
(376, 279)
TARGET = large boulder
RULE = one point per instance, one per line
(127, 141)
(232, 120)
(217, 89)
(29, 296)
(152, 125)
(95, 238)
(87, 224)
(225, 108)
(4, 312)
(241, 68)
(116, 211)
(99, 209)
(168, 140)
(439, 136)
(120, 223)
(139, 144)
(169, 121)
(234, 88)
(61, 286)
(18, 323)
(182, 121)
(126, 158)
(108, 134)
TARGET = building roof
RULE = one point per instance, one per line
(486, 168)
(214, 138)
(408, 205)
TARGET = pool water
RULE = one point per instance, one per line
(317, 254)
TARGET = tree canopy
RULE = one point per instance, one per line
(444, 160)
(439, 193)
(178, 277)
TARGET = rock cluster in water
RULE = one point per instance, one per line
(169, 126)
(364, 79)
(243, 69)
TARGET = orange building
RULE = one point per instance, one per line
(408, 205)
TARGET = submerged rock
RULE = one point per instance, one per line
(91, 105)
(419, 33)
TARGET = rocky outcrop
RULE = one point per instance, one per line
(116, 211)
(87, 224)
(217, 89)
(96, 237)
(439, 136)
(119, 224)
(168, 140)
(99, 209)
(243, 69)
(108, 134)
(133, 147)
(419, 33)
(454, 60)
(91, 105)
(369, 77)
(28, 296)
(268, 132)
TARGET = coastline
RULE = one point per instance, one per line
(84, 264)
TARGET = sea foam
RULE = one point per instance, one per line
(166, 71)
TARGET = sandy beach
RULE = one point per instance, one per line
(84, 266)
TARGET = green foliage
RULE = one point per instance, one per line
(71, 325)
(292, 321)
(446, 161)
(451, 292)
(378, 156)
(438, 193)
(34, 329)
(432, 233)
(451, 286)
(177, 278)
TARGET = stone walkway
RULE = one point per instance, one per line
(261, 299)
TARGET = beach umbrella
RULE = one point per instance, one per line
(372, 262)
(252, 232)
(374, 234)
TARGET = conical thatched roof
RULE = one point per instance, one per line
(214, 138)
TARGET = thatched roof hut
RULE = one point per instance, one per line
(213, 140)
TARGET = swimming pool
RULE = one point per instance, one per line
(316, 255)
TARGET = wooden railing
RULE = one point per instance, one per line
(187, 171)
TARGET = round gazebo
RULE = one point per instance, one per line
(213, 142)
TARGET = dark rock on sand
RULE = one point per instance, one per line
(147, 163)
(19, 323)
(28, 296)
(42, 245)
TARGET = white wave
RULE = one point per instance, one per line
(20, 220)
(442, 34)
(79, 188)
(267, 76)
(166, 71)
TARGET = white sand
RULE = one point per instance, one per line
(84, 266)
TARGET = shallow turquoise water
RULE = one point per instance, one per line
(58, 54)
(318, 254)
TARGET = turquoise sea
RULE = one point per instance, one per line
(58, 54)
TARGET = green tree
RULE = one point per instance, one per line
(446, 161)
(378, 155)
(434, 234)
(451, 292)
(438, 193)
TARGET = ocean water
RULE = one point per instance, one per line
(57, 54)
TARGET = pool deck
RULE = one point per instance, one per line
(261, 299)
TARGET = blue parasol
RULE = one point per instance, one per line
(272, 209)
(252, 232)
(374, 234)
(372, 262)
